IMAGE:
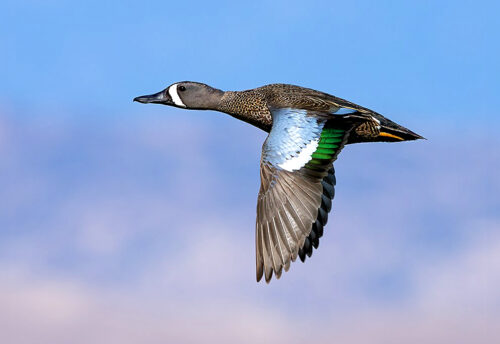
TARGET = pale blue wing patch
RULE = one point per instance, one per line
(293, 139)
(344, 111)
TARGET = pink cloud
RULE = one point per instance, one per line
(154, 242)
(39, 307)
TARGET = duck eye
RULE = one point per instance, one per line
(182, 88)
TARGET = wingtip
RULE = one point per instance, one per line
(287, 266)
(269, 277)
(259, 274)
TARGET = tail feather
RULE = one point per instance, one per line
(398, 133)
(389, 132)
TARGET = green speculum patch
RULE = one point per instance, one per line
(329, 142)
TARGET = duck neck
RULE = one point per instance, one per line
(248, 106)
(211, 100)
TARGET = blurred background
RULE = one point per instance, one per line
(126, 223)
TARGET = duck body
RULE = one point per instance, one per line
(254, 106)
(307, 130)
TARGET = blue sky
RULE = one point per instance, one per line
(127, 223)
(422, 58)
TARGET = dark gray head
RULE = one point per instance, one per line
(186, 95)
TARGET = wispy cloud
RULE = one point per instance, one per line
(51, 308)
(142, 230)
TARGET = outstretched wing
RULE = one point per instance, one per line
(296, 186)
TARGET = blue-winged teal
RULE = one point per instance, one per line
(307, 129)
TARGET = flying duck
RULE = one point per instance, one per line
(307, 129)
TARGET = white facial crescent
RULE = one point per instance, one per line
(172, 90)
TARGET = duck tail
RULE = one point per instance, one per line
(393, 132)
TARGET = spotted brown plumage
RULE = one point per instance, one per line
(249, 106)
(307, 130)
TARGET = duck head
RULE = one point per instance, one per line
(186, 95)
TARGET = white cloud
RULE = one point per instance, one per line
(39, 307)
(468, 282)
(153, 242)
